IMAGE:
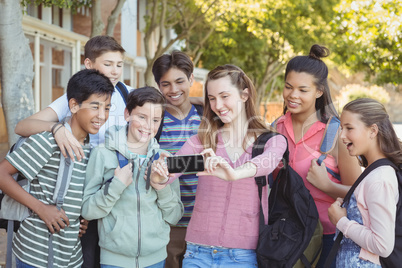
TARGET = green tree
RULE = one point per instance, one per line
(16, 62)
(163, 15)
(368, 36)
(261, 36)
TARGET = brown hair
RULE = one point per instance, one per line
(372, 112)
(211, 123)
(98, 45)
(176, 59)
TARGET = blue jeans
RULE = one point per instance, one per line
(20, 264)
(217, 257)
(156, 265)
(327, 242)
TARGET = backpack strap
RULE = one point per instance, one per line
(60, 191)
(122, 90)
(258, 148)
(328, 143)
(376, 164)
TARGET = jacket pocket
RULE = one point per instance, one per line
(119, 234)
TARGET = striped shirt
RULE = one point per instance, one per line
(175, 133)
(38, 159)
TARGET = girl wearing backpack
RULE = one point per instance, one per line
(307, 108)
(224, 225)
(368, 221)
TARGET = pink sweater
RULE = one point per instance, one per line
(226, 213)
(376, 198)
(300, 155)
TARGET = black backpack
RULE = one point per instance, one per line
(395, 259)
(292, 216)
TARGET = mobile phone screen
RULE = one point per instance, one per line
(185, 163)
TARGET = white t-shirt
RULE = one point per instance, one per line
(116, 114)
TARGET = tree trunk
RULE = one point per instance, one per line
(112, 20)
(16, 67)
(96, 18)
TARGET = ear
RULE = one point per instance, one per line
(126, 115)
(319, 94)
(373, 131)
(88, 63)
(191, 79)
(73, 105)
(245, 95)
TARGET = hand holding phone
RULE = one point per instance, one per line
(185, 163)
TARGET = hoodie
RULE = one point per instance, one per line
(133, 223)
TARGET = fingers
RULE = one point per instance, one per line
(160, 168)
(209, 152)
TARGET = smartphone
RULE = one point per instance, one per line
(185, 163)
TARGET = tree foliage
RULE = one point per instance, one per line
(260, 36)
(368, 38)
(162, 15)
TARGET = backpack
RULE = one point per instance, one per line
(292, 216)
(199, 109)
(123, 91)
(395, 258)
(12, 212)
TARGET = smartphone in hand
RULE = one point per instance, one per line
(185, 163)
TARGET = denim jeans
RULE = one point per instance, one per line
(20, 264)
(217, 257)
(156, 265)
(327, 242)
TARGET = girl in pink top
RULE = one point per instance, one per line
(224, 225)
(368, 222)
(307, 108)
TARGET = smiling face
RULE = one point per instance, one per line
(225, 100)
(355, 134)
(90, 115)
(300, 93)
(175, 86)
(144, 122)
(110, 64)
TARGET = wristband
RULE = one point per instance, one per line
(54, 133)
(54, 126)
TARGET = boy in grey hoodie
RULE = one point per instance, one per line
(133, 218)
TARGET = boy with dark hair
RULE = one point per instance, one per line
(104, 54)
(174, 75)
(38, 159)
(133, 221)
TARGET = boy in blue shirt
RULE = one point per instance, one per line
(174, 75)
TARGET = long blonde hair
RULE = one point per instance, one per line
(210, 123)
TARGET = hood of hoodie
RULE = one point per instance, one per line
(116, 140)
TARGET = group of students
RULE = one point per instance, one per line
(141, 216)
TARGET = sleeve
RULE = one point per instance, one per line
(191, 146)
(100, 195)
(170, 204)
(379, 236)
(60, 106)
(272, 155)
(32, 155)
